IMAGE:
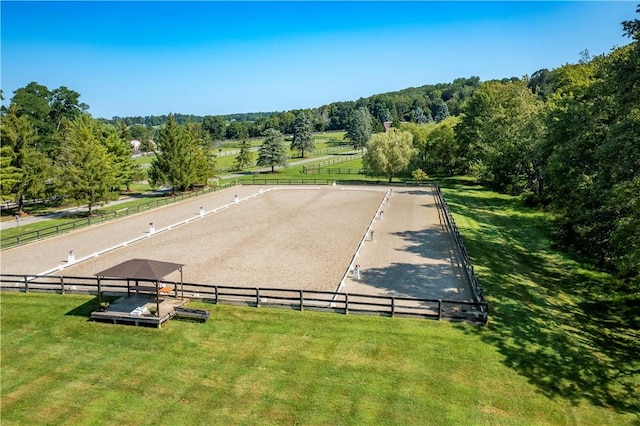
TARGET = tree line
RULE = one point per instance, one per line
(564, 139)
(428, 103)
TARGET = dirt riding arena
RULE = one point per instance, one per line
(307, 238)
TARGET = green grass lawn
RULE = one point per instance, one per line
(558, 350)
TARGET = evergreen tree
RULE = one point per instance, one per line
(360, 128)
(272, 151)
(24, 170)
(439, 110)
(181, 161)
(86, 170)
(128, 172)
(244, 158)
(386, 115)
(302, 134)
(419, 116)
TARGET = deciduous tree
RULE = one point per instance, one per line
(502, 128)
(388, 154)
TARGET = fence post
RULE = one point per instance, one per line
(346, 303)
(301, 301)
(439, 309)
(257, 297)
(215, 291)
(26, 284)
(393, 306)
(62, 284)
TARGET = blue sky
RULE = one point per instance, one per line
(210, 58)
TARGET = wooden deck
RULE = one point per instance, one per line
(136, 310)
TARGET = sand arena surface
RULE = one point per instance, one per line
(285, 237)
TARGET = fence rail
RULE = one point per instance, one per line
(335, 171)
(316, 166)
(301, 300)
(466, 259)
(28, 237)
(267, 181)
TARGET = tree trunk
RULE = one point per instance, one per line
(21, 205)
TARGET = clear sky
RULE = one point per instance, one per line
(214, 58)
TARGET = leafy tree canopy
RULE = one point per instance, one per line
(388, 154)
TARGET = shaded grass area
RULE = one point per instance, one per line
(262, 367)
(561, 324)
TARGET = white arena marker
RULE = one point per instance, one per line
(152, 228)
(237, 199)
(356, 272)
(71, 257)
(201, 211)
(381, 215)
(372, 235)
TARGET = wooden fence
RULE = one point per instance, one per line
(314, 168)
(335, 171)
(297, 299)
(466, 260)
(301, 300)
(51, 231)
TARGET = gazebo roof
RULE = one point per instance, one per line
(142, 269)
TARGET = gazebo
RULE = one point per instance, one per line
(142, 269)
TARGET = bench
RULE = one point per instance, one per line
(199, 314)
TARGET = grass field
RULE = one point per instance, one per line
(557, 351)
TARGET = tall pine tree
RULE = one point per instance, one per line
(302, 134)
(181, 160)
(272, 151)
(87, 174)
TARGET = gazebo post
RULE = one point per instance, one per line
(128, 289)
(157, 300)
(99, 298)
(181, 286)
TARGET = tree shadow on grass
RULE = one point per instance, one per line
(556, 323)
